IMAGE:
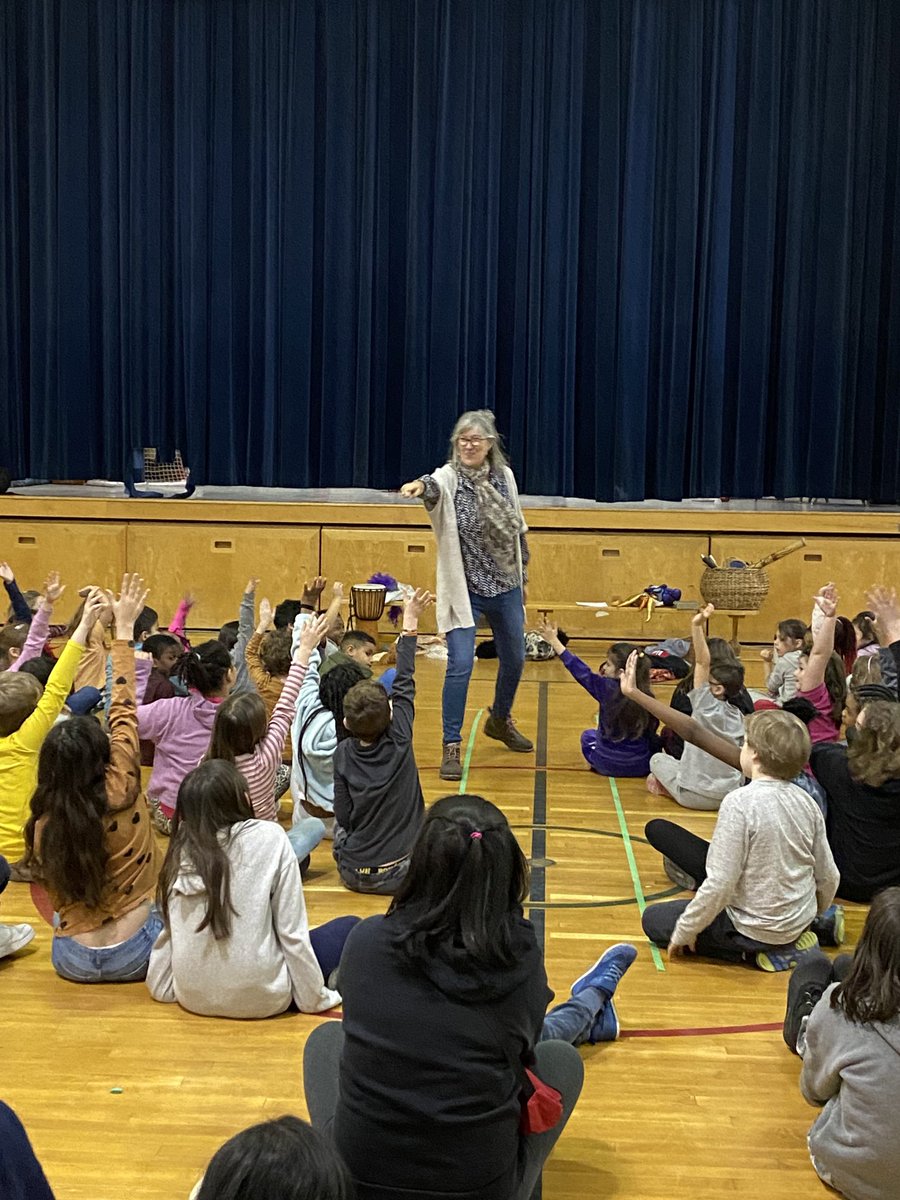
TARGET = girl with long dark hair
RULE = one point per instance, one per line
(843, 1018)
(236, 941)
(89, 839)
(444, 1009)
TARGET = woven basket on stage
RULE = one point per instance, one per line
(741, 589)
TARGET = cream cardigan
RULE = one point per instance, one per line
(453, 608)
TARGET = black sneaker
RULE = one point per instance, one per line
(504, 730)
(451, 767)
(675, 873)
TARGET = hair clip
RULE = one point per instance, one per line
(476, 833)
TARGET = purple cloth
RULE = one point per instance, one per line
(606, 753)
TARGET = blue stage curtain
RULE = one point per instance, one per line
(296, 237)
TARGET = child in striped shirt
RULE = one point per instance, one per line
(245, 735)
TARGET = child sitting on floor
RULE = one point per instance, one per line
(843, 1019)
(768, 871)
(236, 941)
(180, 728)
(378, 803)
(624, 738)
(356, 646)
(27, 714)
(821, 674)
(784, 658)
(90, 841)
(244, 734)
(697, 780)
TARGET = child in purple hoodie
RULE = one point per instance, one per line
(625, 736)
(180, 727)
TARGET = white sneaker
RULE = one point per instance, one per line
(13, 938)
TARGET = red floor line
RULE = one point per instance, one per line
(700, 1031)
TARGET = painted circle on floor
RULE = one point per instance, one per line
(541, 863)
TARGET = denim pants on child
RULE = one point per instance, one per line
(124, 963)
(304, 835)
(507, 621)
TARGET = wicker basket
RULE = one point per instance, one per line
(741, 589)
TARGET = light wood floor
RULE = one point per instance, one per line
(699, 1114)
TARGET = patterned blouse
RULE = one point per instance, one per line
(483, 576)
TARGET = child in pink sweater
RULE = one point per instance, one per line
(180, 727)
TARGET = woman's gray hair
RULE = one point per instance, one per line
(481, 420)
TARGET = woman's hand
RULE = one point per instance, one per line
(413, 489)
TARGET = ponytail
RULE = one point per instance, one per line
(204, 669)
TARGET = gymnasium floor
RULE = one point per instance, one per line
(123, 1097)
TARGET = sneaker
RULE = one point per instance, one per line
(13, 938)
(608, 970)
(829, 928)
(606, 1027)
(451, 767)
(675, 873)
(798, 1014)
(503, 729)
(786, 959)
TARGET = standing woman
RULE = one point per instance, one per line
(473, 504)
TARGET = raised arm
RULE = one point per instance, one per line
(284, 710)
(826, 601)
(403, 691)
(123, 775)
(883, 603)
(40, 626)
(686, 727)
(179, 621)
(255, 669)
(701, 648)
(38, 725)
(592, 683)
(21, 611)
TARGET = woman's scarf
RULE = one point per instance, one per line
(498, 517)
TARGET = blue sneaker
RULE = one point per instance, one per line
(829, 928)
(787, 958)
(606, 1027)
(608, 970)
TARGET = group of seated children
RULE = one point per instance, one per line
(220, 926)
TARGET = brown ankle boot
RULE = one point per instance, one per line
(503, 729)
(451, 767)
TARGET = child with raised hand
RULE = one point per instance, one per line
(843, 1019)
(268, 657)
(27, 714)
(244, 734)
(180, 727)
(784, 659)
(90, 841)
(697, 780)
(236, 940)
(624, 738)
(883, 601)
(20, 642)
(318, 723)
(378, 804)
(21, 611)
(238, 649)
(767, 873)
(821, 675)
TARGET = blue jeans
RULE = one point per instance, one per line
(328, 940)
(304, 835)
(507, 621)
(573, 1020)
(125, 963)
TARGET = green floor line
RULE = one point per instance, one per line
(463, 783)
(632, 866)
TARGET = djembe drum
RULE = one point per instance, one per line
(366, 607)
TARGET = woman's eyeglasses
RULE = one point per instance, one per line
(473, 443)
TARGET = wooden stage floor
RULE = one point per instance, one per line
(679, 1106)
